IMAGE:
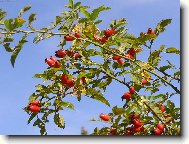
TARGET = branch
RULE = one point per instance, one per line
(167, 74)
(36, 31)
(133, 61)
(113, 77)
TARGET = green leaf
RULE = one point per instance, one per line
(96, 12)
(37, 122)
(71, 3)
(41, 125)
(117, 120)
(172, 50)
(101, 99)
(59, 121)
(7, 47)
(58, 19)
(155, 56)
(162, 24)
(97, 95)
(156, 97)
(163, 68)
(96, 131)
(31, 117)
(43, 130)
(135, 77)
(157, 110)
(46, 104)
(39, 76)
(18, 49)
(32, 97)
(137, 87)
(85, 12)
(118, 111)
(120, 23)
(77, 4)
(32, 17)
(2, 14)
(8, 39)
(97, 22)
(67, 105)
(170, 105)
(95, 120)
(82, 20)
(25, 9)
(177, 74)
(9, 24)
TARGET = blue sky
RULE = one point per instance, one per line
(17, 83)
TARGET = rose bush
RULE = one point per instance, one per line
(88, 59)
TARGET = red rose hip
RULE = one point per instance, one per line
(50, 62)
(35, 102)
(103, 40)
(64, 78)
(137, 123)
(157, 131)
(57, 64)
(128, 56)
(70, 53)
(150, 31)
(53, 58)
(160, 126)
(162, 108)
(132, 52)
(34, 108)
(134, 116)
(116, 57)
(132, 90)
(77, 35)
(70, 83)
(105, 117)
(77, 56)
(127, 96)
(60, 53)
(120, 61)
(109, 32)
(69, 38)
(144, 81)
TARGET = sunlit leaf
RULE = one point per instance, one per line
(172, 50)
(18, 49)
(25, 9)
(96, 12)
(59, 121)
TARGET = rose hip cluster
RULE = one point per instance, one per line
(136, 126)
(53, 62)
(128, 95)
(71, 38)
(34, 106)
(159, 129)
(107, 33)
(68, 82)
(129, 55)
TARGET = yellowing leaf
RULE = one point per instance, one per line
(77, 28)
(90, 28)
(138, 50)
(20, 20)
(146, 75)
(83, 91)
